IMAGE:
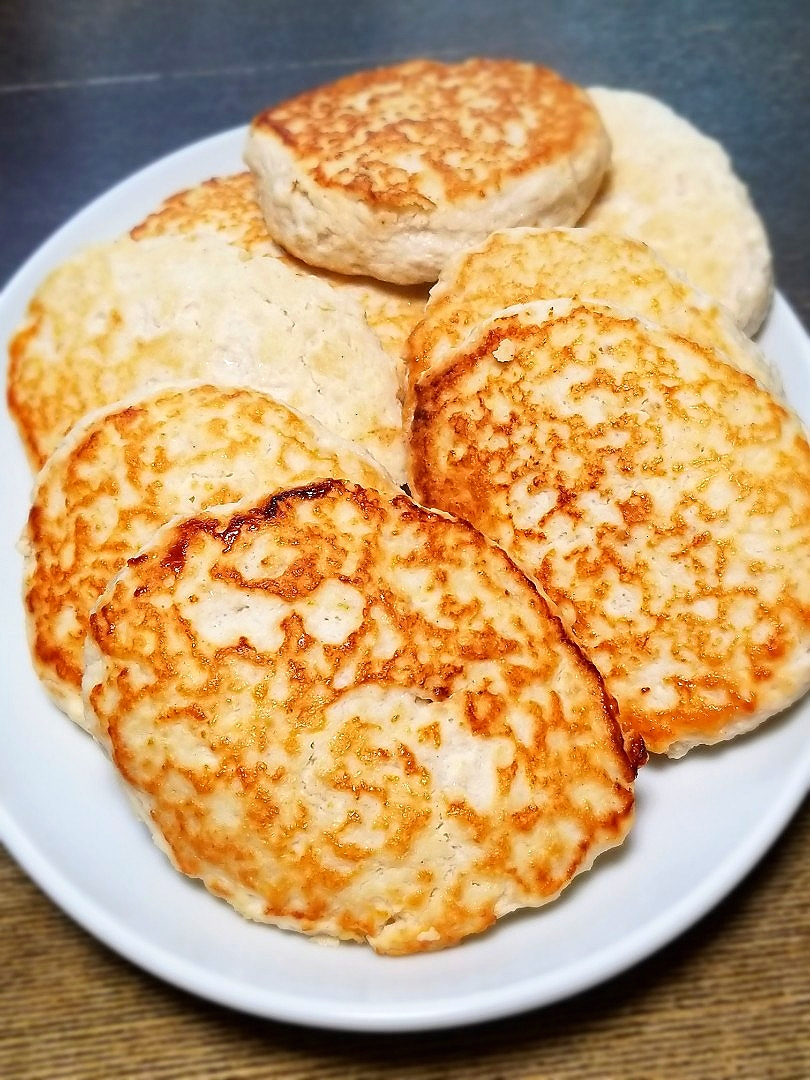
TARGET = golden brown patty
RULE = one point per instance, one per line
(516, 266)
(224, 206)
(659, 497)
(352, 716)
(388, 172)
(125, 471)
(228, 206)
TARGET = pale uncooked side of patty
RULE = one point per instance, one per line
(351, 716)
(517, 266)
(390, 172)
(675, 188)
(124, 471)
(131, 315)
(228, 207)
(659, 497)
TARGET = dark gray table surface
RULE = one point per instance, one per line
(91, 90)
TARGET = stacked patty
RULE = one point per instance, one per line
(130, 315)
(395, 717)
(227, 207)
(658, 496)
(516, 266)
(389, 172)
(675, 188)
(353, 716)
(123, 471)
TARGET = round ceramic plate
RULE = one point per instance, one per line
(702, 822)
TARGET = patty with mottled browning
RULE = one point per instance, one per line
(130, 315)
(352, 716)
(517, 266)
(659, 497)
(390, 172)
(223, 206)
(228, 206)
(123, 472)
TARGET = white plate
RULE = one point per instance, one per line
(702, 823)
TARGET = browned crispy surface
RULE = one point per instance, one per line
(225, 205)
(349, 715)
(119, 477)
(516, 266)
(659, 497)
(469, 126)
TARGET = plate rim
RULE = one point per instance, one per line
(614, 960)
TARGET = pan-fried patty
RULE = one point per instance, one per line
(389, 172)
(660, 498)
(517, 266)
(123, 472)
(228, 207)
(675, 188)
(352, 716)
(129, 315)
